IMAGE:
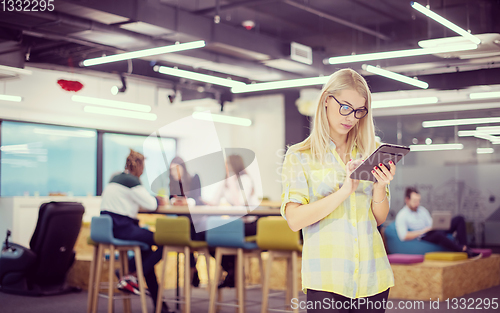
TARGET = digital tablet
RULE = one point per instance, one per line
(383, 154)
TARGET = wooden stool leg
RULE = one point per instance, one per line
(163, 273)
(111, 285)
(214, 289)
(123, 258)
(92, 272)
(295, 278)
(206, 253)
(265, 284)
(240, 276)
(289, 281)
(187, 280)
(97, 280)
(140, 278)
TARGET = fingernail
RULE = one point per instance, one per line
(375, 168)
(350, 160)
(380, 164)
(391, 162)
(373, 172)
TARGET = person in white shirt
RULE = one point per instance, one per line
(413, 221)
(122, 199)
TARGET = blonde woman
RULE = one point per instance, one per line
(343, 256)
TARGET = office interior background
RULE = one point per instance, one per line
(54, 143)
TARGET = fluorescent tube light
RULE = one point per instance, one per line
(291, 83)
(11, 98)
(199, 77)
(438, 18)
(484, 150)
(466, 133)
(144, 53)
(485, 136)
(485, 95)
(430, 43)
(463, 121)
(439, 147)
(66, 133)
(395, 76)
(23, 148)
(403, 102)
(492, 130)
(113, 103)
(120, 113)
(398, 54)
(205, 116)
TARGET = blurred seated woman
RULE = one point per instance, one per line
(185, 190)
(238, 190)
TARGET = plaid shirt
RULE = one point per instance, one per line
(343, 253)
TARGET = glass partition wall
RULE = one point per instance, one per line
(464, 180)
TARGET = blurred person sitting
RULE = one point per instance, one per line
(238, 190)
(185, 190)
(122, 199)
(413, 221)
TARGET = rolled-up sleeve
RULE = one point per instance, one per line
(401, 227)
(294, 182)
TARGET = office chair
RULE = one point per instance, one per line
(42, 269)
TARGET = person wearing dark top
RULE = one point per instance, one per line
(121, 199)
(184, 187)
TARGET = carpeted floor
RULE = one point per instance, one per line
(77, 303)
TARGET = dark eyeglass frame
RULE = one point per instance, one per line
(363, 109)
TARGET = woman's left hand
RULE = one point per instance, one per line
(384, 175)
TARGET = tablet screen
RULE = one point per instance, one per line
(383, 154)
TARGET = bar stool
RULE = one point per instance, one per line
(101, 233)
(174, 234)
(275, 236)
(227, 235)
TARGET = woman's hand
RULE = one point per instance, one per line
(351, 184)
(180, 201)
(383, 175)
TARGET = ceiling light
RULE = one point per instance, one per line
(66, 133)
(493, 139)
(395, 76)
(144, 53)
(112, 103)
(438, 18)
(484, 95)
(466, 133)
(463, 121)
(206, 116)
(197, 76)
(11, 98)
(492, 130)
(120, 113)
(430, 43)
(439, 147)
(291, 83)
(403, 102)
(398, 54)
(484, 150)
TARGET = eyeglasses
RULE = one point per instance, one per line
(346, 109)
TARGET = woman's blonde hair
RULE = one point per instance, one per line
(134, 159)
(362, 135)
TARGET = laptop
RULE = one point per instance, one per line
(441, 220)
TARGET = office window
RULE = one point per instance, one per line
(43, 159)
(116, 148)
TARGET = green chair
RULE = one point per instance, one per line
(174, 234)
(275, 236)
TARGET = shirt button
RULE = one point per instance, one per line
(355, 239)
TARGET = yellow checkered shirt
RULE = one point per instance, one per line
(343, 253)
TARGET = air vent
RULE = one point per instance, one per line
(301, 53)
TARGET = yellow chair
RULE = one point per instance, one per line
(174, 234)
(275, 236)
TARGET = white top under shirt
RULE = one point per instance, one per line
(125, 199)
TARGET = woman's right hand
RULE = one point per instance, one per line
(351, 184)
